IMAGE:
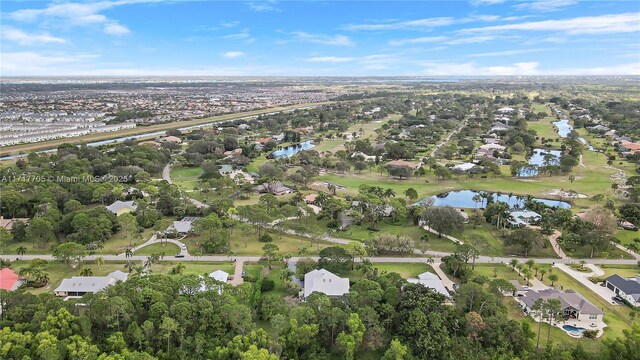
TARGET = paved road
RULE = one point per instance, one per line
(446, 140)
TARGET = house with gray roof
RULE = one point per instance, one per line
(626, 288)
(325, 282)
(121, 207)
(431, 281)
(574, 305)
(78, 286)
(523, 218)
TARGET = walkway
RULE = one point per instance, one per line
(553, 239)
(628, 251)
(448, 237)
(237, 275)
(445, 279)
(583, 277)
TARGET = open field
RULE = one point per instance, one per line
(369, 128)
(186, 178)
(26, 148)
(168, 249)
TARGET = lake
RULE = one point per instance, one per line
(537, 158)
(464, 199)
(564, 128)
(289, 151)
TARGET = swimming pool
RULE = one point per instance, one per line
(573, 330)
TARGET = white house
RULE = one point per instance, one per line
(78, 286)
(219, 275)
(368, 158)
(432, 281)
(506, 110)
(626, 288)
(325, 282)
(574, 305)
(463, 168)
(524, 217)
(121, 207)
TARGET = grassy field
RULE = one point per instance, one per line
(169, 249)
(186, 178)
(249, 245)
(622, 270)
(369, 128)
(27, 148)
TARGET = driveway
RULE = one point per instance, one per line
(583, 278)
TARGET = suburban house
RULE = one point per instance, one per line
(9, 280)
(122, 207)
(506, 110)
(220, 275)
(524, 218)
(626, 288)
(78, 286)
(401, 163)
(574, 305)
(311, 198)
(431, 281)
(237, 151)
(325, 282)
(365, 157)
(182, 227)
(171, 139)
(275, 188)
(488, 149)
(150, 143)
(463, 168)
(7, 224)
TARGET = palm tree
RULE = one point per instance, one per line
(553, 278)
(530, 263)
(99, 261)
(542, 272)
(430, 260)
(128, 253)
(477, 198)
(389, 193)
(86, 272)
(178, 269)
(514, 264)
(21, 251)
(528, 275)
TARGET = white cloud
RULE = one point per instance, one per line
(470, 40)
(486, 2)
(33, 63)
(232, 54)
(78, 14)
(338, 40)
(263, 6)
(115, 29)
(545, 5)
(330, 59)
(603, 24)
(23, 38)
(523, 69)
(419, 40)
(428, 23)
(229, 24)
(506, 53)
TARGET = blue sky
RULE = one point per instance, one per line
(422, 38)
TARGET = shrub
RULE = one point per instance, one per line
(266, 238)
(267, 285)
(590, 334)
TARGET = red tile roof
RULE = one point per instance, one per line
(8, 279)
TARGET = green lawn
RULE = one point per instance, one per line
(500, 271)
(169, 249)
(622, 270)
(186, 178)
(405, 270)
(249, 245)
(119, 242)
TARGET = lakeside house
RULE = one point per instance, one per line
(122, 207)
(463, 168)
(432, 281)
(574, 306)
(626, 288)
(78, 286)
(523, 218)
(325, 282)
(9, 280)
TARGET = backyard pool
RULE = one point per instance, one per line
(573, 330)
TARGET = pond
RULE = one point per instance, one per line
(564, 128)
(464, 199)
(289, 151)
(537, 158)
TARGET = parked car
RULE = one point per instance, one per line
(180, 255)
(617, 299)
